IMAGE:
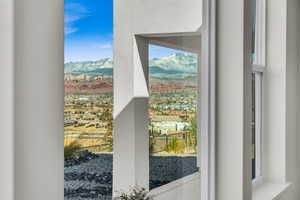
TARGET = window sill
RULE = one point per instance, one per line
(170, 186)
(173, 185)
(269, 190)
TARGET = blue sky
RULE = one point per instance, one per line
(89, 31)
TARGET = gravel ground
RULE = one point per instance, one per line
(90, 178)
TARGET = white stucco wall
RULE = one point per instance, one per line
(7, 100)
(39, 100)
(158, 16)
(185, 188)
(298, 95)
(233, 176)
(274, 99)
(134, 23)
(135, 17)
(292, 101)
(31, 39)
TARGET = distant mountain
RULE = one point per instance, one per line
(173, 64)
(106, 71)
(159, 70)
(179, 62)
(89, 66)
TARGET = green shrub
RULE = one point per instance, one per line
(71, 149)
(135, 194)
(174, 146)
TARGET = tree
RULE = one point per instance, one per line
(72, 149)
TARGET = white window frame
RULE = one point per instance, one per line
(206, 102)
(258, 127)
(208, 108)
(258, 68)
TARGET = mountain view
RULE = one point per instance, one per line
(172, 103)
(88, 106)
(88, 123)
(175, 63)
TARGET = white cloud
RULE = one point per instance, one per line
(73, 13)
(71, 18)
(106, 45)
(69, 30)
(75, 7)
